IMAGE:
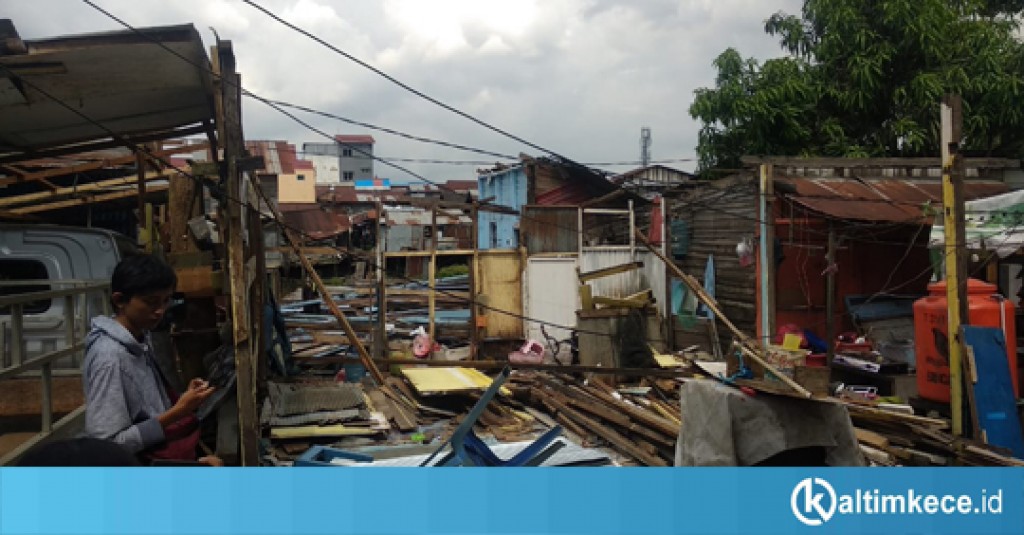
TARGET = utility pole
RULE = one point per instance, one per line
(645, 146)
(955, 253)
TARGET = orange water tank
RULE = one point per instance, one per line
(931, 337)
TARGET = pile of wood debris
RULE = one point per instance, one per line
(634, 425)
(895, 439)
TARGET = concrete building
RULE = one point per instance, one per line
(348, 159)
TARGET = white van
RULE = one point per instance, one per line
(49, 253)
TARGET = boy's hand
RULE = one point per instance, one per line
(211, 460)
(198, 391)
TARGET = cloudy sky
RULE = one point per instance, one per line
(578, 77)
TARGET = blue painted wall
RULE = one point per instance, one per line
(508, 187)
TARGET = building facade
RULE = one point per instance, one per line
(348, 159)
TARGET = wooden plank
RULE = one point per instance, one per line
(392, 411)
(613, 302)
(586, 297)
(871, 438)
(414, 254)
(93, 199)
(499, 276)
(608, 271)
(871, 413)
(325, 431)
(623, 444)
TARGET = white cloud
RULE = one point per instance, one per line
(577, 76)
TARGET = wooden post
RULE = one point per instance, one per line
(140, 169)
(666, 249)
(474, 332)
(432, 299)
(257, 262)
(380, 339)
(245, 366)
(830, 293)
(955, 251)
(767, 255)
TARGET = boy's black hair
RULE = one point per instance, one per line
(142, 274)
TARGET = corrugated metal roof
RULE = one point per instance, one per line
(316, 223)
(278, 157)
(461, 185)
(571, 193)
(888, 200)
(422, 218)
(362, 140)
(124, 80)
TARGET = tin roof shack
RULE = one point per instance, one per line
(652, 181)
(540, 181)
(156, 97)
(873, 209)
(584, 270)
(127, 91)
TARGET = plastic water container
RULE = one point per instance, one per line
(931, 337)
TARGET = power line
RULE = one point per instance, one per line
(392, 131)
(406, 87)
(221, 193)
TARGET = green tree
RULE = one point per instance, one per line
(865, 78)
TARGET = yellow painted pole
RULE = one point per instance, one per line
(954, 242)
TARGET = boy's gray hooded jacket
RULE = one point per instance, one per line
(124, 393)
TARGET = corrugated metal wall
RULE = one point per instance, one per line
(718, 216)
(550, 229)
(652, 275)
(508, 188)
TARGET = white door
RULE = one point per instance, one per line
(552, 295)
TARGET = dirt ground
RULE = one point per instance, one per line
(23, 396)
(20, 402)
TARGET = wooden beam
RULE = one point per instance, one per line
(432, 273)
(242, 324)
(82, 188)
(119, 141)
(421, 254)
(608, 271)
(849, 163)
(620, 303)
(499, 364)
(156, 188)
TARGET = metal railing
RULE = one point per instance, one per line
(75, 326)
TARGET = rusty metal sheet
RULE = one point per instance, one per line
(550, 229)
(316, 223)
(882, 200)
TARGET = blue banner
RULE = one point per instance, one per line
(511, 501)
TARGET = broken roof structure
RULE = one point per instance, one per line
(146, 85)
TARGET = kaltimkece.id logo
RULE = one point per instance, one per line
(814, 502)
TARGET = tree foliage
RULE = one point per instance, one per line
(865, 78)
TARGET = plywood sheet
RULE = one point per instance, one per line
(428, 381)
(500, 287)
